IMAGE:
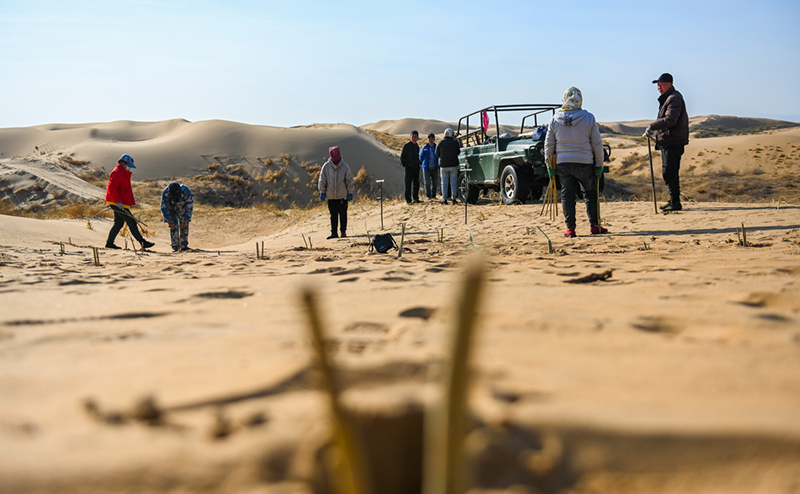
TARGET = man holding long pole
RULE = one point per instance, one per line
(671, 136)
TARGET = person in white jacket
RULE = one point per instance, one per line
(574, 137)
(336, 185)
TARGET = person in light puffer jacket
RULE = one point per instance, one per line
(573, 136)
(336, 185)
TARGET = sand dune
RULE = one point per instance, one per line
(404, 126)
(178, 148)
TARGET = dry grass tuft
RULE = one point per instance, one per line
(362, 177)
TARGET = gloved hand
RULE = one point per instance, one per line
(119, 205)
(551, 172)
(349, 197)
(322, 196)
(648, 132)
(599, 171)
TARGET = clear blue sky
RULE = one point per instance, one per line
(299, 62)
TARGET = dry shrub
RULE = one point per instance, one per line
(268, 162)
(213, 167)
(362, 177)
(631, 159)
(78, 210)
(72, 161)
(270, 195)
(286, 158)
(8, 207)
(274, 176)
(313, 174)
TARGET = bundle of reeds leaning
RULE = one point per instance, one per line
(550, 204)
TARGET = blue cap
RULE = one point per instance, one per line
(128, 160)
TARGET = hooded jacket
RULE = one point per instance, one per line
(672, 125)
(447, 151)
(336, 181)
(177, 209)
(574, 137)
(119, 187)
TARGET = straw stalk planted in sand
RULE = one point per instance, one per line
(352, 469)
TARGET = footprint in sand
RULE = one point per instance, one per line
(423, 313)
(655, 324)
(234, 294)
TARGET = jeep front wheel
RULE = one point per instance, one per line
(512, 186)
(467, 192)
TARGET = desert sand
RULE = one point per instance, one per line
(677, 371)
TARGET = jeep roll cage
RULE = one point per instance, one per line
(478, 136)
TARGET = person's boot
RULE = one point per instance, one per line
(665, 206)
(110, 245)
(146, 244)
(672, 206)
(333, 235)
(597, 230)
(570, 233)
(344, 234)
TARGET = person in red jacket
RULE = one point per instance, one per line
(119, 195)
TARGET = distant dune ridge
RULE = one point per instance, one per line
(179, 148)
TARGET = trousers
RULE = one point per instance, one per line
(338, 210)
(573, 176)
(123, 217)
(670, 171)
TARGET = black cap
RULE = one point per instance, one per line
(665, 77)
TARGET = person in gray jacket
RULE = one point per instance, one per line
(336, 185)
(573, 136)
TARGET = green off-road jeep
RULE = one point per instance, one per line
(510, 161)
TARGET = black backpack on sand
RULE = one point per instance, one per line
(382, 243)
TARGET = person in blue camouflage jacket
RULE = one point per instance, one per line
(177, 206)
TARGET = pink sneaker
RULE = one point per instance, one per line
(596, 230)
(570, 233)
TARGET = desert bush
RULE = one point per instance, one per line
(313, 174)
(273, 176)
(8, 207)
(631, 159)
(362, 176)
(79, 210)
(72, 161)
(286, 158)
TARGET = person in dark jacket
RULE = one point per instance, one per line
(119, 195)
(177, 206)
(672, 135)
(447, 151)
(409, 158)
